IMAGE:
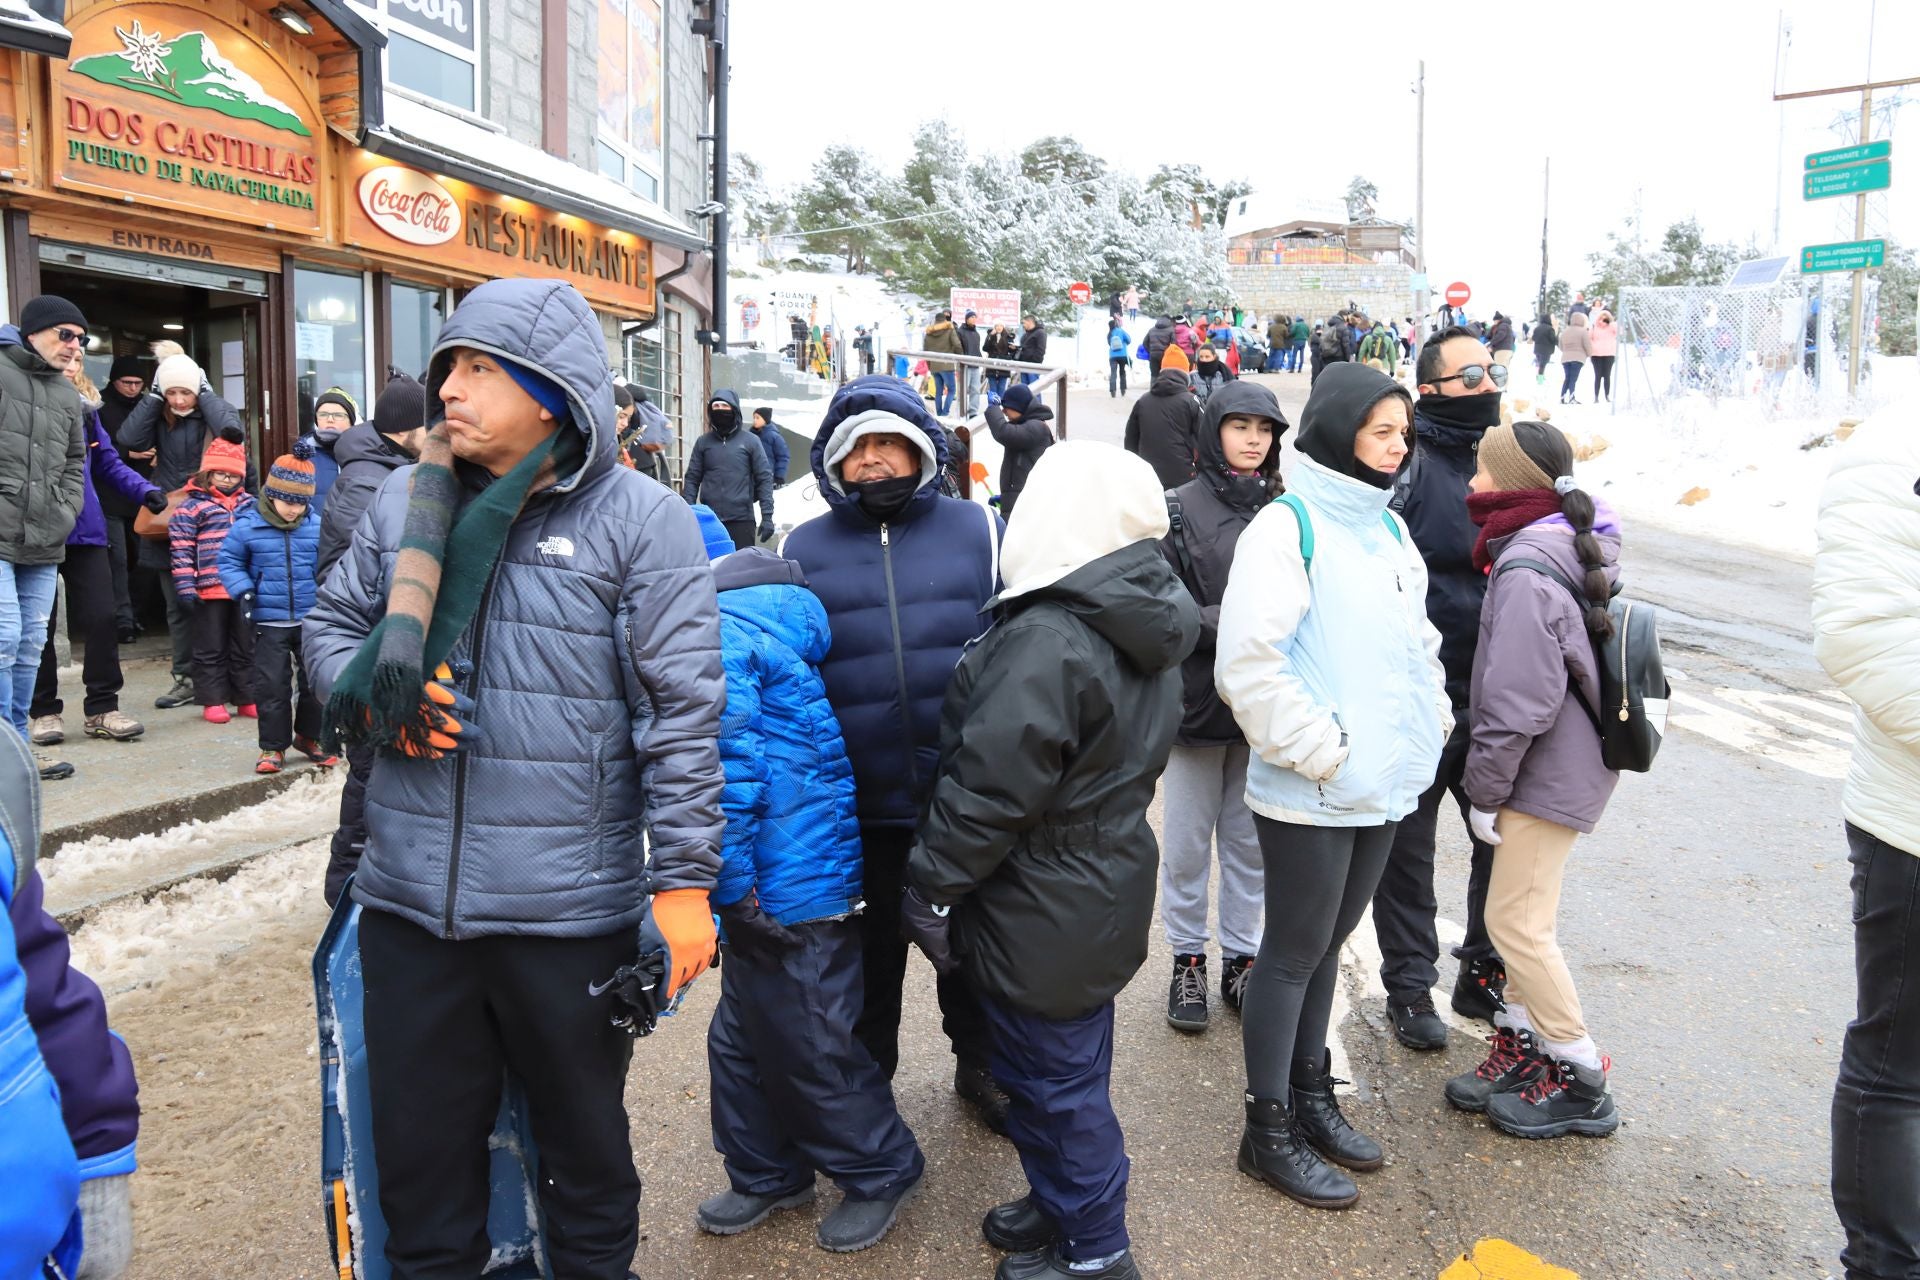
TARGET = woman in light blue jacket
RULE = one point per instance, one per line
(1333, 673)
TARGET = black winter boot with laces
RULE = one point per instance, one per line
(1512, 1060)
(1416, 1024)
(1274, 1150)
(1187, 996)
(1564, 1098)
(1481, 989)
(1317, 1113)
(1233, 981)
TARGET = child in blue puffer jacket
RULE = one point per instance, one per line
(267, 566)
(793, 1091)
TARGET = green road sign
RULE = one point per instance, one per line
(1850, 155)
(1877, 176)
(1848, 255)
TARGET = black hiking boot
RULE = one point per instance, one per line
(1417, 1025)
(1233, 982)
(1564, 1098)
(1317, 1113)
(1187, 996)
(1275, 1151)
(1512, 1061)
(179, 695)
(860, 1224)
(1047, 1264)
(976, 1085)
(1481, 989)
(1019, 1226)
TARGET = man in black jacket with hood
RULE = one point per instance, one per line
(1164, 425)
(1024, 428)
(1159, 338)
(1460, 386)
(1033, 344)
(729, 472)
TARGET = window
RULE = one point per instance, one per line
(652, 364)
(432, 47)
(629, 80)
(329, 338)
(417, 313)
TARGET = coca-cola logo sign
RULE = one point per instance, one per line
(409, 206)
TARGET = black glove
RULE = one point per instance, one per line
(753, 935)
(155, 501)
(246, 605)
(766, 531)
(925, 925)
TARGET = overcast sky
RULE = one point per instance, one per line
(1667, 102)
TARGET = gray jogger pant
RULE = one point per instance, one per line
(1203, 793)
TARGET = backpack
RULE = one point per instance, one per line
(1331, 348)
(1176, 529)
(1633, 685)
(1299, 508)
(1378, 346)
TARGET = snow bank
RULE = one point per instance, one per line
(88, 870)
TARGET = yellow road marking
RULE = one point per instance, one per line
(1494, 1259)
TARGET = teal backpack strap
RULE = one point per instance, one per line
(1293, 503)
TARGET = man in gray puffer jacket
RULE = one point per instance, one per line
(505, 872)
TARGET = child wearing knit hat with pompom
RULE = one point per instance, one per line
(222, 639)
(267, 567)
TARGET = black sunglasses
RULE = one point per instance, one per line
(1474, 374)
(70, 335)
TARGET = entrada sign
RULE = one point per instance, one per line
(172, 106)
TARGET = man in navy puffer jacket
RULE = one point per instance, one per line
(904, 573)
(793, 1091)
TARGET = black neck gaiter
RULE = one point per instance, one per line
(1471, 413)
(885, 499)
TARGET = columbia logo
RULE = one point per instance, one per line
(556, 547)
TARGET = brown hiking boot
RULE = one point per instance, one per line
(117, 725)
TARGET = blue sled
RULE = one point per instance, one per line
(349, 1183)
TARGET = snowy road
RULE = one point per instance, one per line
(1706, 922)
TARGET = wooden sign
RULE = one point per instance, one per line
(454, 226)
(191, 109)
(154, 239)
(12, 155)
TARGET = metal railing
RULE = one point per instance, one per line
(1050, 378)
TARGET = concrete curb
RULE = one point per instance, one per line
(73, 918)
(202, 806)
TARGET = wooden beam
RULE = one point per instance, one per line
(553, 78)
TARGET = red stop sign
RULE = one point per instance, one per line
(1458, 293)
(1080, 293)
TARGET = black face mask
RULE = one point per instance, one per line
(885, 499)
(723, 420)
(1470, 412)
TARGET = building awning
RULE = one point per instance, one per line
(427, 138)
(23, 29)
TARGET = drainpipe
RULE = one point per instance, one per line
(714, 28)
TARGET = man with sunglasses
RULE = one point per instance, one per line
(1460, 385)
(43, 458)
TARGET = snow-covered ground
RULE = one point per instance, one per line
(1763, 483)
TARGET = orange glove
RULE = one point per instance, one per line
(447, 733)
(685, 921)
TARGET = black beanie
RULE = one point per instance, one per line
(765, 415)
(127, 367)
(622, 398)
(340, 398)
(402, 407)
(48, 310)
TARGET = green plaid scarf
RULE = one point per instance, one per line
(439, 575)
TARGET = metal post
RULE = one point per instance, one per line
(721, 222)
(1859, 233)
(1420, 194)
(1546, 199)
(1060, 406)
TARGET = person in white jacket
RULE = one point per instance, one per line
(1866, 633)
(1332, 670)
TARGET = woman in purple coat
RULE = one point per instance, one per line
(90, 599)
(1534, 773)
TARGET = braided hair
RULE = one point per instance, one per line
(1550, 450)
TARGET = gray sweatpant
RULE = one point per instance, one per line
(1203, 793)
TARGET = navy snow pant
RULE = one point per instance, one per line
(1056, 1073)
(793, 1091)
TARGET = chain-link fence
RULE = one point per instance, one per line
(1783, 344)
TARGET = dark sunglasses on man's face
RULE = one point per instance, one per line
(1474, 374)
(70, 335)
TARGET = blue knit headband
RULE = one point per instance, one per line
(545, 391)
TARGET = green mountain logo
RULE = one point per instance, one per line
(187, 69)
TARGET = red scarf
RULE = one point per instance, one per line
(1506, 511)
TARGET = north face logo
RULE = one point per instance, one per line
(556, 546)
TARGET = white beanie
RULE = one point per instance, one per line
(1082, 501)
(178, 373)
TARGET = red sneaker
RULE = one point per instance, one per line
(250, 710)
(314, 752)
(215, 715)
(270, 762)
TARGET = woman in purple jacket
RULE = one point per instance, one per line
(1534, 773)
(90, 599)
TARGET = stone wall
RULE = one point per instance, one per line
(685, 181)
(510, 70)
(1319, 290)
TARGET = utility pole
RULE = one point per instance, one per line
(1859, 233)
(1420, 189)
(1546, 197)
